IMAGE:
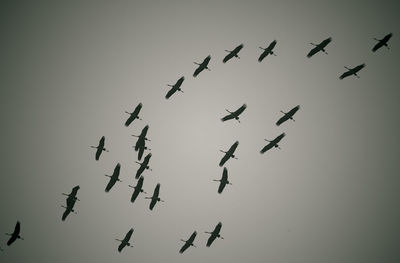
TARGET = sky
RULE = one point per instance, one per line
(71, 69)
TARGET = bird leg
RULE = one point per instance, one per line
(355, 74)
(208, 69)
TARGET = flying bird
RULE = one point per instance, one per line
(188, 242)
(113, 178)
(382, 42)
(233, 53)
(140, 145)
(15, 235)
(125, 241)
(100, 148)
(71, 200)
(352, 71)
(143, 166)
(214, 234)
(319, 47)
(155, 198)
(202, 66)
(288, 115)
(267, 51)
(133, 115)
(223, 181)
(176, 87)
(235, 114)
(138, 189)
(273, 143)
(229, 154)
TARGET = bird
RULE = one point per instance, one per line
(267, 51)
(143, 166)
(214, 234)
(288, 115)
(138, 189)
(273, 143)
(140, 145)
(100, 148)
(113, 178)
(15, 235)
(235, 114)
(133, 115)
(229, 154)
(125, 242)
(155, 198)
(382, 42)
(71, 199)
(352, 71)
(233, 53)
(319, 47)
(223, 181)
(188, 242)
(201, 66)
(176, 87)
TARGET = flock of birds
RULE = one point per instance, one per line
(140, 145)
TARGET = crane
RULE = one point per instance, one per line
(214, 234)
(125, 242)
(155, 198)
(138, 189)
(14, 235)
(143, 166)
(319, 47)
(176, 87)
(100, 148)
(113, 178)
(352, 71)
(133, 115)
(71, 200)
(229, 154)
(141, 141)
(288, 115)
(202, 66)
(233, 53)
(382, 42)
(188, 243)
(267, 51)
(235, 114)
(223, 181)
(273, 143)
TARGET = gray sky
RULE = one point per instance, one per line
(70, 70)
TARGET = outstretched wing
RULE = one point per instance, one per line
(153, 203)
(211, 239)
(346, 74)
(282, 120)
(233, 147)
(141, 150)
(65, 214)
(130, 120)
(228, 57)
(184, 247)
(313, 51)
(227, 117)
(221, 186)
(240, 110)
(267, 147)
(170, 92)
(224, 159)
(110, 184)
(197, 71)
(263, 55)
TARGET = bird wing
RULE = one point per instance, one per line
(110, 184)
(179, 82)
(263, 55)
(121, 246)
(228, 117)
(141, 151)
(233, 147)
(293, 111)
(184, 247)
(171, 92)
(346, 74)
(282, 120)
(98, 153)
(128, 235)
(228, 57)
(221, 186)
(197, 71)
(211, 239)
(65, 214)
(267, 147)
(240, 110)
(153, 203)
(140, 171)
(377, 46)
(224, 159)
(137, 109)
(313, 51)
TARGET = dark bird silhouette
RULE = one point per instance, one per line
(143, 166)
(352, 71)
(267, 51)
(71, 199)
(223, 181)
(382, 42)
(188, 242)
(133, 115)
(125, 241)
(319, 47)
(288, 115)
(15, 235)
(233, 53)
(214, 234)
(176, 87)
(155, 198)
(202, 66)
(138, 189)
(113, 178)
(229, 154)
(273, 143)
(141, 142)
(235, 114)
(100, 148)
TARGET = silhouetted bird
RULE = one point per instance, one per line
(267, 51)
(141, 142)
(133, 115)
(113, 178)
(273, 143)
(352, 71)
(188, 242)
(71, 199)
(201, 66)
(125, 241)
(100, 148)
(233, 53)
(382, 42)
(235, 114)
(223, 181)
(138, 189)
(176, 87)
(229, 154)
(214, 234)
(319, 47)
(15, 235)
(143, 166)
(288, 115)
(155, 198)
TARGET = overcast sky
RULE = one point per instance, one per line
(69, 71)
